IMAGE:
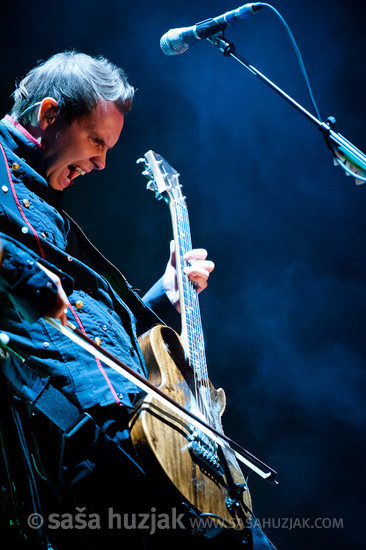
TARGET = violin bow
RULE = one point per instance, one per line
(244, 456)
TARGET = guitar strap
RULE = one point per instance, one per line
(143, 313)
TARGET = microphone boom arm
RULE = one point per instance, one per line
(347, 155)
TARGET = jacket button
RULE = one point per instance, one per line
(24, 229)
(26, 203)
(69, 259)
(5, 188)
(15, 166)
(79, 304)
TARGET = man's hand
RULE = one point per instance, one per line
(198, 272)
(58, 311)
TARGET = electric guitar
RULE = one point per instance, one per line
(204, 474)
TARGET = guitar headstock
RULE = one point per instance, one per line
(163, 178)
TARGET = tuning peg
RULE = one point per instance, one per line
(151, 185)
(146, 173)
(140, 160)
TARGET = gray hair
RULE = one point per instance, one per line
(77, 82)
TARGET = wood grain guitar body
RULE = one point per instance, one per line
(206, 477)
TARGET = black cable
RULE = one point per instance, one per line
(298, 55)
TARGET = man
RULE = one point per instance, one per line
(71, 411)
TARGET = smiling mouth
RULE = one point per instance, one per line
(74, 172)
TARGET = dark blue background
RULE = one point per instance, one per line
(284, 316)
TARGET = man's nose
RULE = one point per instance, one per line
(99, 161)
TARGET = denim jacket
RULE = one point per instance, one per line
(102, 302)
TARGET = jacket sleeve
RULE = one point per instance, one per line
(159, 302)
(30, 289)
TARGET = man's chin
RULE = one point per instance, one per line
(59, 185)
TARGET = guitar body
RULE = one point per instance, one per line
(206, 477)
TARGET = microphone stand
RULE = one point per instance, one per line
(352, 160)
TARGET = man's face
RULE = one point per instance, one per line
(76, 149)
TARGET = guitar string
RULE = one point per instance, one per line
(195, 333)
(200, 362)
(185, 245)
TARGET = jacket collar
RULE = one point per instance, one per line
(22, 143)
(16, 138)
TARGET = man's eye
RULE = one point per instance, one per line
(97, 141)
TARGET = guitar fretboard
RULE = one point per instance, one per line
(191, 316)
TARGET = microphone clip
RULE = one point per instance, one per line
(222, 44)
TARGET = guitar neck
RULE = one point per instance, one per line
(164, 181)
(192, 333)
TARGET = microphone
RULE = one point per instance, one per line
(177, 41)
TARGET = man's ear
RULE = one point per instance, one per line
(47, 112)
